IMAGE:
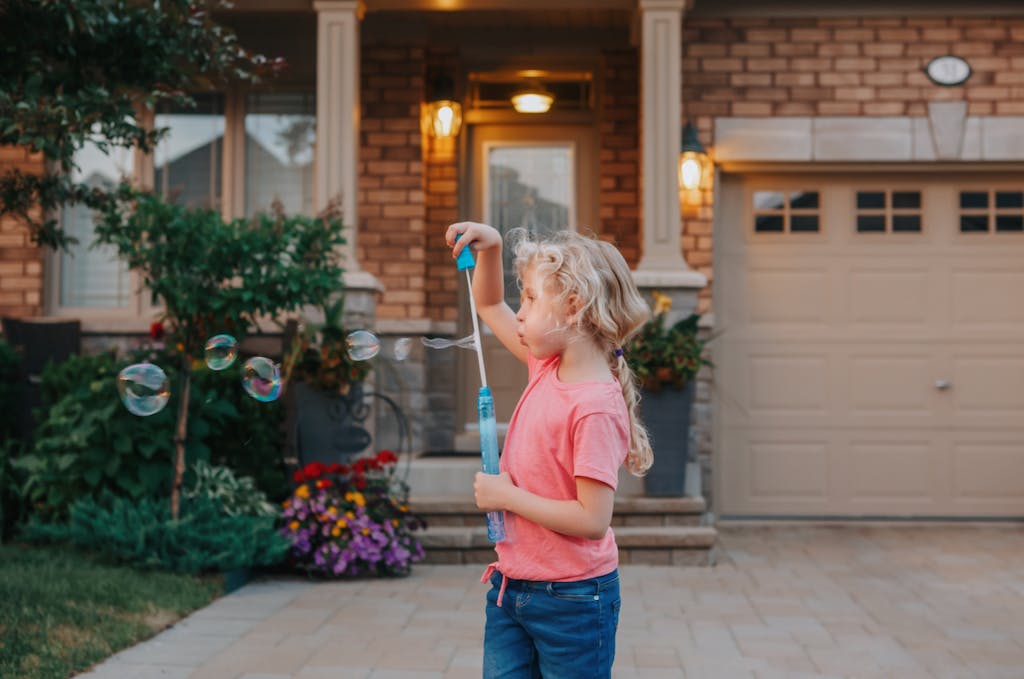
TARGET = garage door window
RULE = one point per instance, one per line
(981, 211)
(786, 211)
(888, 212)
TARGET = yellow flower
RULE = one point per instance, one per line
(394, 522)
(286, 504)
(294, 525)
(662, 303)
(366, 531)
(350, 515)
(302, 491)
(341, 523)
(356, 497)
(335, 531)
(332, 511)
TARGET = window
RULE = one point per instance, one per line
(188, 160)
(531, 187)
(93, 277)
(188, 166)
(280, 138)
(981, 211)
(888, 211)
(786, 212)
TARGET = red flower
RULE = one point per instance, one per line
(298, 477)
(324, 483)
(361, 484)
(334, 468)
(156, 331)
(343, 469)
(386, 457)
(314, 470)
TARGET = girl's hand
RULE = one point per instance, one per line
(492, 490)
(480, 236)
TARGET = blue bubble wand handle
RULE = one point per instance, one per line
(484, 405)
(489, 455)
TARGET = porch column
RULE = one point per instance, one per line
(337, 114)
(662, 264)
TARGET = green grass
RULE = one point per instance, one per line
(61, 612)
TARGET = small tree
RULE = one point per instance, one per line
(76, 71)
(218, 277)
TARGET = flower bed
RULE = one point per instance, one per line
(349, 520)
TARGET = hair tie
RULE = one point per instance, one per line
(618, 352)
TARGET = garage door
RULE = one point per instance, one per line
(871, 355)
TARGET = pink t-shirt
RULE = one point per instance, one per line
(560, 431)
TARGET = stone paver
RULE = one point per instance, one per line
(802, 601)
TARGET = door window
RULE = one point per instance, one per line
(529, 187)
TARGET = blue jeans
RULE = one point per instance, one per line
(554, 630)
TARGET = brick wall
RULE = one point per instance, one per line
(441, 176)
(392, 236)
(847, 67)
(21, 261)
(619, 154)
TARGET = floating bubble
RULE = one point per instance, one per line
(261, 379)
(403, 347)
(466, 342)
(362, 345)
(221, 351)
(144, 389)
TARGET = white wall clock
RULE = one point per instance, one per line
(948, 70)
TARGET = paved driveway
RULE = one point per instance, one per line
(783, 601)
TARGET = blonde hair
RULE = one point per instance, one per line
(609, 309)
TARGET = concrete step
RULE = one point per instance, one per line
(459, 510)
(648, 545)
(453, 475)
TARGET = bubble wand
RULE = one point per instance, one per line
(484, 404)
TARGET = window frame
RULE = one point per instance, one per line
(135, 317)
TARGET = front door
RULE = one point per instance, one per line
(538, 178)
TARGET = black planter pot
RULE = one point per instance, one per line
(666, 413)
(328, 426)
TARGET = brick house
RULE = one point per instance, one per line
(857, 256)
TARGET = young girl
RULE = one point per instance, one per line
(553, 607)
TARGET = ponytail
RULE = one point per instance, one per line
(641, 455)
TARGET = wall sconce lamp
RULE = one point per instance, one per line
(694, 162)
(442, 114)
(532, 99)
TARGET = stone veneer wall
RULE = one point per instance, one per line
(21, 261)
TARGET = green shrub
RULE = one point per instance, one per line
(236, 495)
(250, 443)
(142, 534)
(89, 443)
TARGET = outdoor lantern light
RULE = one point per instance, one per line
(442, 115)
(694, 162)
(533, 99)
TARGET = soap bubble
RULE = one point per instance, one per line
(467, 342)
(144, 389)
(261, 379)
(362, 345)
(403, 347)
(221, 351)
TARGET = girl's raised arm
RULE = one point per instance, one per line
(488, 281)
